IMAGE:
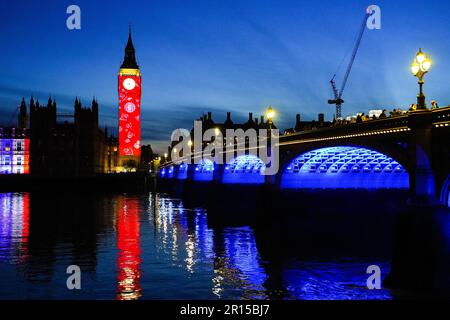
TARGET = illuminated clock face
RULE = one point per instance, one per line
(129, 84)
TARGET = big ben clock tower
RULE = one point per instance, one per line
(129, 108)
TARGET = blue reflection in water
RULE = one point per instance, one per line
(153, 247)
(231, 256)
(203, 235)
(332, 280)
(242, 254)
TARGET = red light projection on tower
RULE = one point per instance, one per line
(129, 114)
(129, 103)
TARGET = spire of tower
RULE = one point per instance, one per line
(23, 107)
(129, 61)
(22, 118)
(23, 104)
(94, 105)
(77, 105)
(32, 105)
(95, 111)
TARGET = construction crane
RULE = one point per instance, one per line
(338, 101)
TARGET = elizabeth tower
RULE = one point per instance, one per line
(129, 107)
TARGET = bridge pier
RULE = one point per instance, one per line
(175, 172)
(218, 173)
(271, 180)
(190, 172)
(422, 182)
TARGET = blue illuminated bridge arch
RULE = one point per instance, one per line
(204, 171)
(167, 172)
(182, 171)
(344, 167)
(245, 169)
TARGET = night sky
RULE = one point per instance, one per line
(239, 56)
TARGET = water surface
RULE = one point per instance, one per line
(149, 246)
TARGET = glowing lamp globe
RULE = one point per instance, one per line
(420, 57)
(415, 68)
(270, 114)
(425, 65)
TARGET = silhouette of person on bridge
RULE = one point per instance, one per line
(434, 104)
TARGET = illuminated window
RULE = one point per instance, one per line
(344, 167)
(14, 155)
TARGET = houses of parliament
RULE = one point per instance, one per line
(53, 148)
(43, 145)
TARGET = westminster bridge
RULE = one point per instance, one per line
(410, 151)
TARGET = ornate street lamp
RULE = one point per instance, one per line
(420, 66)
(270, 114)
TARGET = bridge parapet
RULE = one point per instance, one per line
(399, 122)
(395, 124)
(441, 117)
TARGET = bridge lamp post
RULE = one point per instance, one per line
(420, 66)
(270, 114)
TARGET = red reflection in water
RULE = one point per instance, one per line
(25, 224)
(128, 243)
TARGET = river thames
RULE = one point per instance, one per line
(150, 246)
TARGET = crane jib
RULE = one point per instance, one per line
(355, 51)
(338, 94)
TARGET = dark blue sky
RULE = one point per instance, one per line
(240, 56)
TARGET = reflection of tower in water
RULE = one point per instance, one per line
(128, 243)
